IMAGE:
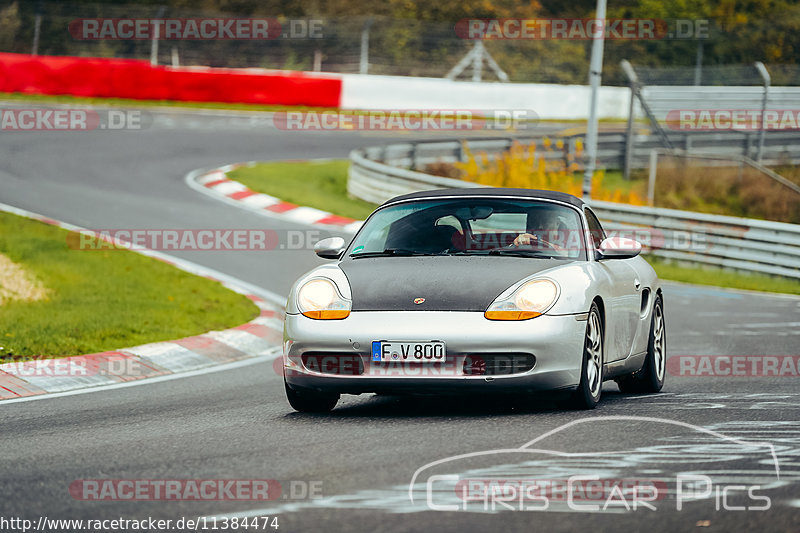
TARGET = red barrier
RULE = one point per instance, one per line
(126, 78)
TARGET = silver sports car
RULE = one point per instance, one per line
(476, 291)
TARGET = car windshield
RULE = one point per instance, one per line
(474, 226)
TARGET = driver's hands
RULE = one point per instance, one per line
(525, 239)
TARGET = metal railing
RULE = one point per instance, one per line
(377, 174)
(780, 148)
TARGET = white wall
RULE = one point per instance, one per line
(548, 101)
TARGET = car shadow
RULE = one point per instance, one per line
(405, 406)
(437, 406)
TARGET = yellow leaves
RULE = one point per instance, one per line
(521, 166)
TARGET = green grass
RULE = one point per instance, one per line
(129, 102)
(614, 181)
(722, 278)
(322, 185)
(102, 300)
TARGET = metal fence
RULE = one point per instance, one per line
(694, 238)
(664, 94)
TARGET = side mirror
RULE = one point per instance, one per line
(619, 248)
(330, 248)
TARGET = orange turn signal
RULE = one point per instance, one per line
(328, 314)
(510, 315)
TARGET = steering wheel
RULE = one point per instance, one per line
(537, 241)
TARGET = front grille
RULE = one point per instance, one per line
(339, 363)
(498, 364)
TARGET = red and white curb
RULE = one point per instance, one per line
(216, 183)
(261, 337)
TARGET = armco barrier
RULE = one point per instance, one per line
(696, 238)
(779, 148)
(125, 78)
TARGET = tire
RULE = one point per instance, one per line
(306, 401)
(650, 379)
(587, 395)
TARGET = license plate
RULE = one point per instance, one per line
(419, 352)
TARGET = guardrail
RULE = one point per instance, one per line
(779, 148)
(735, 243)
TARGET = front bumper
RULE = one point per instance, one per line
(341, 352)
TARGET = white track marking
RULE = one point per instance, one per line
(276, 352)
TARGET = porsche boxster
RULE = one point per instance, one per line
(471, 291)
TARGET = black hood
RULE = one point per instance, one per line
(447, 283)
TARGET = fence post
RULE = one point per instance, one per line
(567, 149)
(595, 75)
(767, 79)
(363, 64)
(37, 27)
(651, 179)
(477, 62)
(626, 162)
(154, 41)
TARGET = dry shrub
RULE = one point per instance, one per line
(724, 190)
(521, 166)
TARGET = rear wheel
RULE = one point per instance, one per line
(307, 401)
(651, 376)
(588, 392)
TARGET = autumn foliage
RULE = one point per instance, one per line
(530, 167)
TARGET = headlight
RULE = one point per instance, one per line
(530, 300)
(319, 299)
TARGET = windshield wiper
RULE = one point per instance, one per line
(521, 252)
(393, 251)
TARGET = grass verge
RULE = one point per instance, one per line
(103, 300)
(319, 184)
(723, 278)
(324, 185)
(40, 99)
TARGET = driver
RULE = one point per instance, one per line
(541, 222)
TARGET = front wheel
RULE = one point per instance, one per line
(587, 394)
(651, 376)
(306, 401)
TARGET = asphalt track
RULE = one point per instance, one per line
(236, 424)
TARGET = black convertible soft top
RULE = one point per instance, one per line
(533, 194)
